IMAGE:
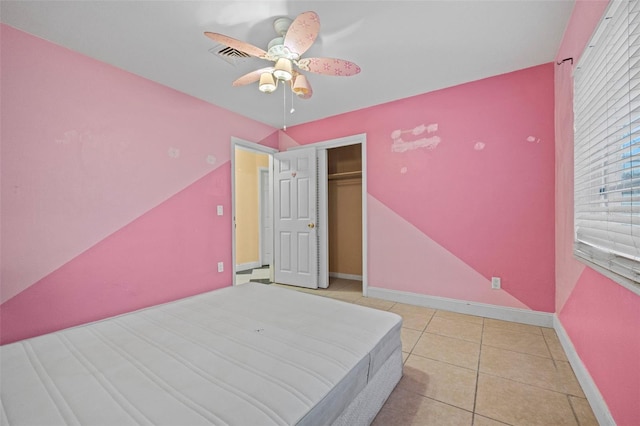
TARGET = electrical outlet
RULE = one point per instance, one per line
(219, 209)
(495, 282)
(220, 266)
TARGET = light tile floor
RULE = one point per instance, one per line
(469, 370)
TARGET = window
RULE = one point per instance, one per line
(607, 147)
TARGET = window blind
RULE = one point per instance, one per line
(607, 145)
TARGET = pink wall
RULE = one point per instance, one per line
(109, 184)
(470, 170)
(601, 317)
(109, 187)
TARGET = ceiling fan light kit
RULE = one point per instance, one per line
(283, 70)
(267, 83)
(295, 38)
(300, 85)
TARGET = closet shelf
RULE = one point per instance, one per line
(345, 175)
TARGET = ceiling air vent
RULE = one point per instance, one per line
(229, 54)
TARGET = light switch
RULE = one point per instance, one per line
(219, 210)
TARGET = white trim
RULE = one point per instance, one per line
(590, 389)
(625, 282)
(323, 220)
(334, 143)
(523, 316)
(272, 269)
(261, 207)
(250, 146)
(365, 233)
(345, 276)
(247, 266)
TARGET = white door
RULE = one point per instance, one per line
(266, 229)
(294, 211)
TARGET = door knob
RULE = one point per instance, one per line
(311, 225)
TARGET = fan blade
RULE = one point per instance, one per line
(251, 77)
(328, 66)
(236, 44)
(302, 32)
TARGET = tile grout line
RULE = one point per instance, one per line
(435, 311)
(531, 385)
(442, 361)
(546, 343)
(567, 395)
(573, 410)
(475, 393)
(521, 353)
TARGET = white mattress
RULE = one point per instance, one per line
(247, 355)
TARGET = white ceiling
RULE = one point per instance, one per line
(404, 48)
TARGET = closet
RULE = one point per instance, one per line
(344, 166)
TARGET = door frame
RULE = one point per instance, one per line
(323, 210)
(249, 146)
(264, 204)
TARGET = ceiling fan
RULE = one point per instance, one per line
(295, 38)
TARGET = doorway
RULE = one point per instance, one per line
(344, 204)
(251, 212)
(323, 150)
(357, 197)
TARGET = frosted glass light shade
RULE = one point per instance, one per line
(284, 70)
(267, 83)
(300, 85)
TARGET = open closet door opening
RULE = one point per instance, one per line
(344, 208)
(251, 207)
(340, 161)
(294, 211)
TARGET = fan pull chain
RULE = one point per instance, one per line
(284, 108)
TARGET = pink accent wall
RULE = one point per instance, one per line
(406, 246)
(602, 320)
(169, 252)
(110, 182)
(601, 317)
(285, 141)
(87, 150)
(472, 168)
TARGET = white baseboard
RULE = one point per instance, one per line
(345, 276)
(591, 391)
(248, 265)
(524, 316)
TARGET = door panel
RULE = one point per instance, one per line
(296, 250)
(285, 251)
(303, 198)
(303, 253)
(285, 199)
